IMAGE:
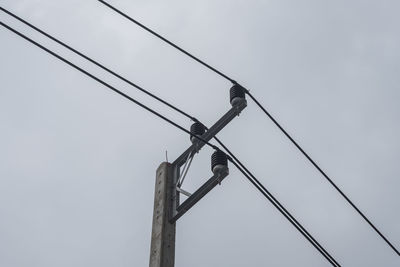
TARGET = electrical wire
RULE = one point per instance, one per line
(246, 172)
(96, 63)
(324, 174)
(105, 84)
(265, 111)
(257, 183)
(285, 213)
(167, 41)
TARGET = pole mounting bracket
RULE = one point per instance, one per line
(185, 159)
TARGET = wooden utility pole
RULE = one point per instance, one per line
(162, 252)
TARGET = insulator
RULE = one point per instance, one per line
(219, 161)
(237, 93)
(197, 129)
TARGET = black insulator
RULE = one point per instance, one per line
(237, 92)
(197, 129)
(219, 160)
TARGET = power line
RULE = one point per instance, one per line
(168, 104)
(168, 42)
(324, 174)
(260, 187)
(96, 63)
(288, 216)
(265, 111)
(105, 84)
(257, 184)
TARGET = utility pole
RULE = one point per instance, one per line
(163, 235)
(170, 177)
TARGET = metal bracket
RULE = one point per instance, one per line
(186, 193)
(185, 170)
(199, 194)
(213, 131)
(186, 158)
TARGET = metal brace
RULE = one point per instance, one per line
(185, 160)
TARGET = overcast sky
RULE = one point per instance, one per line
(78, 162)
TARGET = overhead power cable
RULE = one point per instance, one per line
(325, 175)
(265, 111)
(106, 84)
(261, 188)
(288, 216)
(96, 63)
(167, 41)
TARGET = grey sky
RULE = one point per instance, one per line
(77, 162)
